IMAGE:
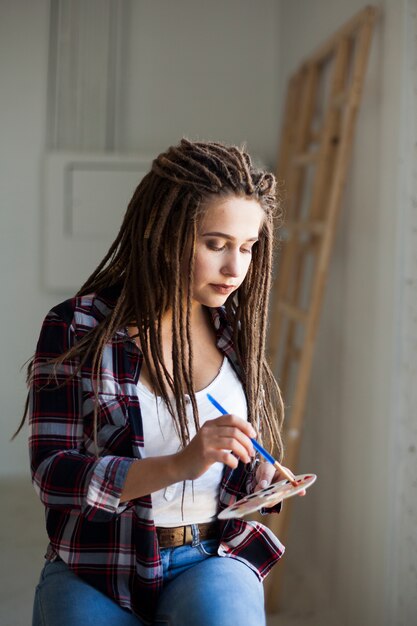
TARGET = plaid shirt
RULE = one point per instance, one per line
(113, 546)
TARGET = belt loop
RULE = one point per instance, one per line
(196, 535)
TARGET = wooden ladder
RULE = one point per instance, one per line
(319, 121)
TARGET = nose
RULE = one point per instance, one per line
(232, 266)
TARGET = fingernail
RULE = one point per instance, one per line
(263, 484)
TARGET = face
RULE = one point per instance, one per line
(227, 232)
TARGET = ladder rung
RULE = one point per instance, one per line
(293, 311)
(317, 228)
(306, 157)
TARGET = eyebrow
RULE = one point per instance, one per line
(225, 236)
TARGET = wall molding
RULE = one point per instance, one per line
(401, 582)
(86, 63)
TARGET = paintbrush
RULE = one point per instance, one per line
(283, 470)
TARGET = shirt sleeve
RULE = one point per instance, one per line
(64, 475)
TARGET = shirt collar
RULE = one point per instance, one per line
(104, 301)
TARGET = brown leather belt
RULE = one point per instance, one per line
(182, 535)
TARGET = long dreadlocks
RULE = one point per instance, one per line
(146, 261)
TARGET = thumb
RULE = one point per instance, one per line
(264, 475)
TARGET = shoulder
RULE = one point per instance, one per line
(81, 314)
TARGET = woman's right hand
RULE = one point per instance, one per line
(215, 442)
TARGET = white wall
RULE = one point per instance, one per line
(343, 540)
(208, 70)
(205, 70)
(23, 79)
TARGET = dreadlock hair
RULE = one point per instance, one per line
(146, 261)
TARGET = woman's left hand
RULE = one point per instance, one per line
(266, 474)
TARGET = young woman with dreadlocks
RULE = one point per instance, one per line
(129, 457)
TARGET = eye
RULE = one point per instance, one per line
(214, 245)
(248, 249)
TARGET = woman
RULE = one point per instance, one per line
(128, 456)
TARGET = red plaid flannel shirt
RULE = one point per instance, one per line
(113, 546)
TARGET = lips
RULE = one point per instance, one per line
(224, 290)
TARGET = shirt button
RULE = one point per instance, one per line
(187, 399)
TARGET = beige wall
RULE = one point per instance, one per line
(344, 536)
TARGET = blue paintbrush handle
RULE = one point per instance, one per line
(284, 471)
(256, 445)
(262, 451)
(217, 405)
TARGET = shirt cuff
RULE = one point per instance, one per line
(106, 484)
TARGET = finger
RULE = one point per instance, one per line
(213, 435)
(232, 432)
(234, 445)
(264, 475)
(234, 421)
(225, 457)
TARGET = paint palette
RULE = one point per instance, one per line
(267, 497)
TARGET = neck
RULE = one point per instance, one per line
(198, 317)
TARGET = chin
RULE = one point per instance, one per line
(213, 301)
(208, 297)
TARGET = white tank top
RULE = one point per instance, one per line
(161, 438)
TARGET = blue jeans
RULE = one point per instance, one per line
(200, 588)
